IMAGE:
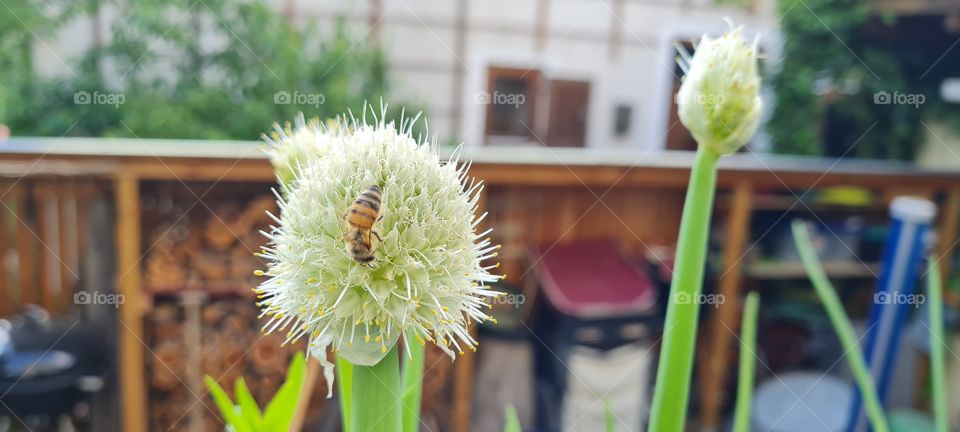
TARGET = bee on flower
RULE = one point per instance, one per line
(430, 277)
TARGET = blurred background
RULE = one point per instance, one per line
(133, 189)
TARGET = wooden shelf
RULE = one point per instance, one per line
(790, 203)
(795, 270)
(223, 288)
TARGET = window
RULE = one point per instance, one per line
(511, 103)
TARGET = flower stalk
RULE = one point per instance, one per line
(412, 385)
(345, 390)
(376, 396)
(672, 390)
(719, 104)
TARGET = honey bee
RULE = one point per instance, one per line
(360, 217)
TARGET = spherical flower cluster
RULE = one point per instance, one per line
(428, 278)
(719, 100)
(290, 147)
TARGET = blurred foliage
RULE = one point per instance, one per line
(219, 69)
(244, 415)
(827, 81)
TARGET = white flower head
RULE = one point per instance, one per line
(290, 147)
(427, 279)
(719, 100)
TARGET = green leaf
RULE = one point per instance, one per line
(841, 325)
(511, 420)
(412, 385)
(228, 410)
(279, 412)
(248, 406)
(937, 344)
(607, 417)
(748, 355)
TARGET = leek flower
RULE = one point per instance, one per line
(428, 279)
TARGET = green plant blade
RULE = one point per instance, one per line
(228, 410)
(672, 389)
(376, 396)
(412, 385)
(748, 356)
(841, 324)
(248, 406)
(344, 390)
(279, 412)
(511, 422)
(607, 417)
(937, 341)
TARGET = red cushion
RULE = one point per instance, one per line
(591, 279)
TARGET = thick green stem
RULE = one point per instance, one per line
(843, 327)
(344, 390)
(412, 385)
(376, 396)
(748, 356)
(937, 341)
(669, 411)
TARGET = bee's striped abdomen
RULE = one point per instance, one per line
(365, 209)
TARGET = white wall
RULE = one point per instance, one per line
(421, 40)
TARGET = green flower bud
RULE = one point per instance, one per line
(719, 100)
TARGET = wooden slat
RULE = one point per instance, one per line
(132, 382)
(47, 245)
(68, 217)
(465, 367)
(25, 246)
(6, 293)
(725, 322)
(949, 238)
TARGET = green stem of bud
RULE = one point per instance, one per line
(669, 411)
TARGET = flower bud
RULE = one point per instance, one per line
(719, 100)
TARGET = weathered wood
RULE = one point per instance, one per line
(949, 238)
(26, 250)
(8, 305)
(132, 382)
(49, 266)
(725, 325)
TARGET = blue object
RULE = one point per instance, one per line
(894, 295)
